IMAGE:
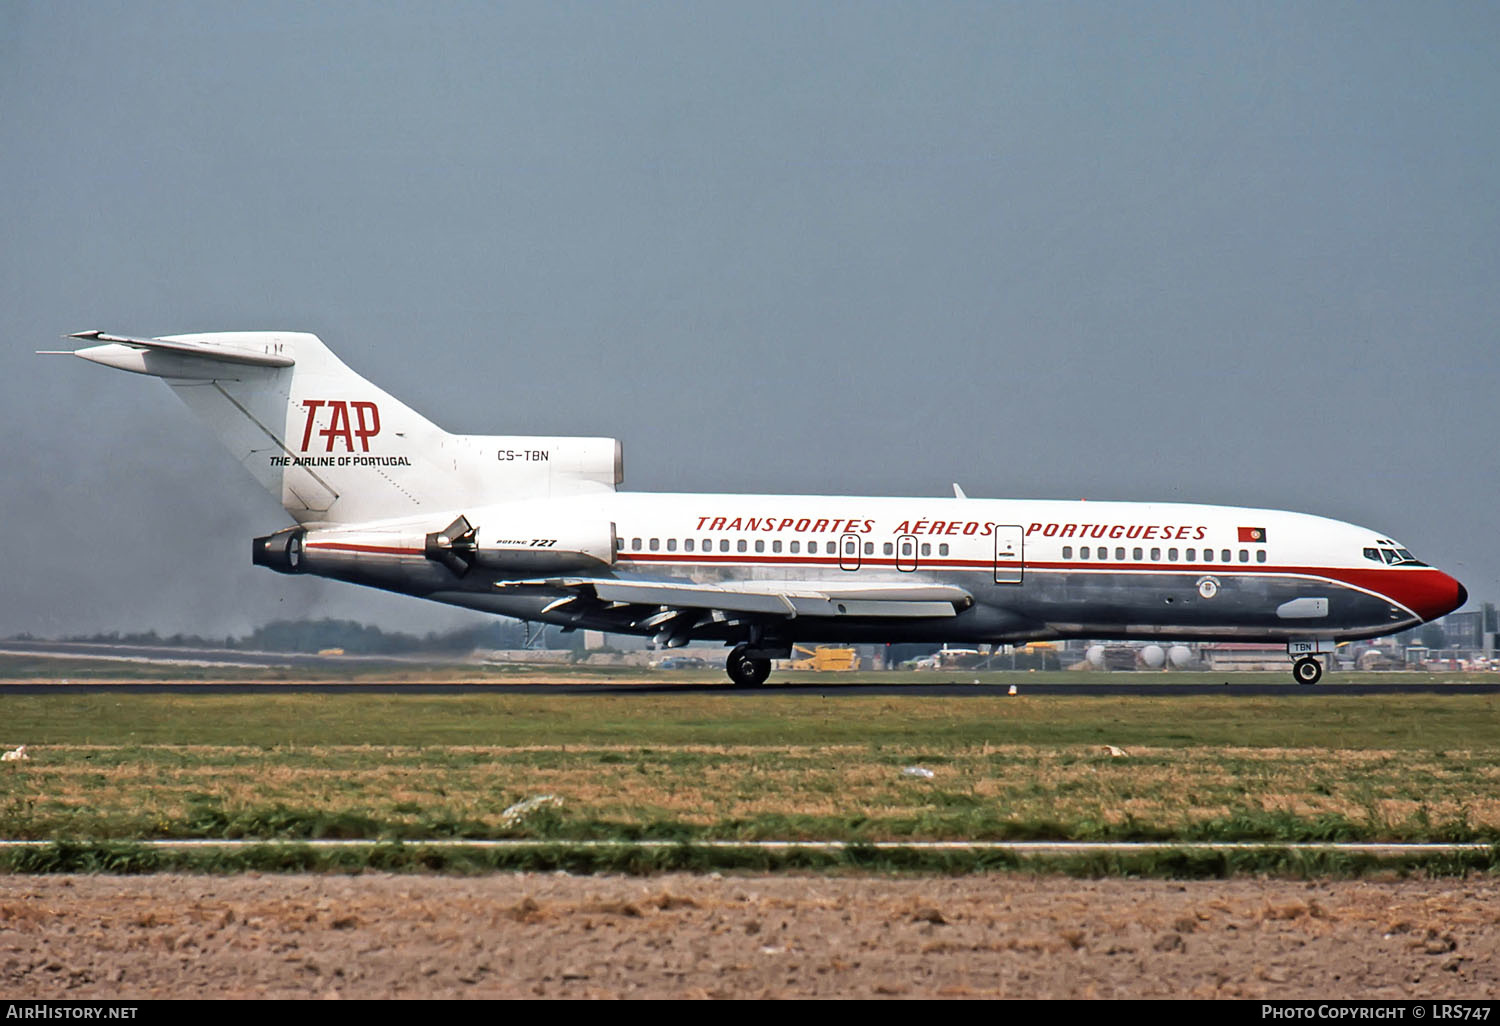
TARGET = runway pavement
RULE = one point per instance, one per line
(812, 689)
(952, 684)
(174, 655)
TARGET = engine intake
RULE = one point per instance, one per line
(453, 546)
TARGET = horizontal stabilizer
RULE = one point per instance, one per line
(224, 352)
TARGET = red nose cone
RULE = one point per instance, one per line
(1429, 593)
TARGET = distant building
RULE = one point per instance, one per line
(1241, 655)
(1465, 630)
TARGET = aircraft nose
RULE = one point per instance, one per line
(1432, 594)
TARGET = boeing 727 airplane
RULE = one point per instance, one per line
(535, 528)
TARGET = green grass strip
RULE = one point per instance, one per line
(127, 859)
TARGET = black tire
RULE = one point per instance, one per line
(745, 670)
(1307, 670)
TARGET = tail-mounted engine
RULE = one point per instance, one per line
(282, 551)
(522, 547)
(517, 547)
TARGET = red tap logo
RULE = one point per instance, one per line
(363, 424)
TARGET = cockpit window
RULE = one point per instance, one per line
(1393, 556)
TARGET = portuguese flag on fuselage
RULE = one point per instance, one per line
(1252, 534)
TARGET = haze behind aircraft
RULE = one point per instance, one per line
(534, 528)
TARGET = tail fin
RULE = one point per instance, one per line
(332, 447)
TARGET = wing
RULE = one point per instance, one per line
(681, 607)
(792, 599)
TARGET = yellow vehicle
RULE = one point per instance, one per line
(819, 658)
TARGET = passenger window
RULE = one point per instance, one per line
(927, 548)
(1156, 555)
(655, 544)
(1137, 555)
(1192, 555)
(869, 548)
(687, 546)
(887, 548)
(635, 544)
(812, 546)
(776, 546)
(671, 544)
(1208, 555)
(619, 544)
(708, 544)
(796, 547)
(1067, 551)
(740, 545)
(760, 545)
(943, 549)
(1224, 556)
(723, 544)
(1244, 555)
(1083, 553)
(1120, 553)
(1171, 555)
(1260, 555)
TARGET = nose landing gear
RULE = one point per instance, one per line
(1307, 670)
(1305, 651)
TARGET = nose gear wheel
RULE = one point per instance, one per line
(1307, 670)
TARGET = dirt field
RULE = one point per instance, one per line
(530, 935)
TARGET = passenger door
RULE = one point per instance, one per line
(849, 552)
(1010, 563)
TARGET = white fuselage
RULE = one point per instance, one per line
(1035, 568)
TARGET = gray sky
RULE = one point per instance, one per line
(1242, 253)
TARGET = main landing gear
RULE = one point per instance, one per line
(1307, 670)
(746, 670)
